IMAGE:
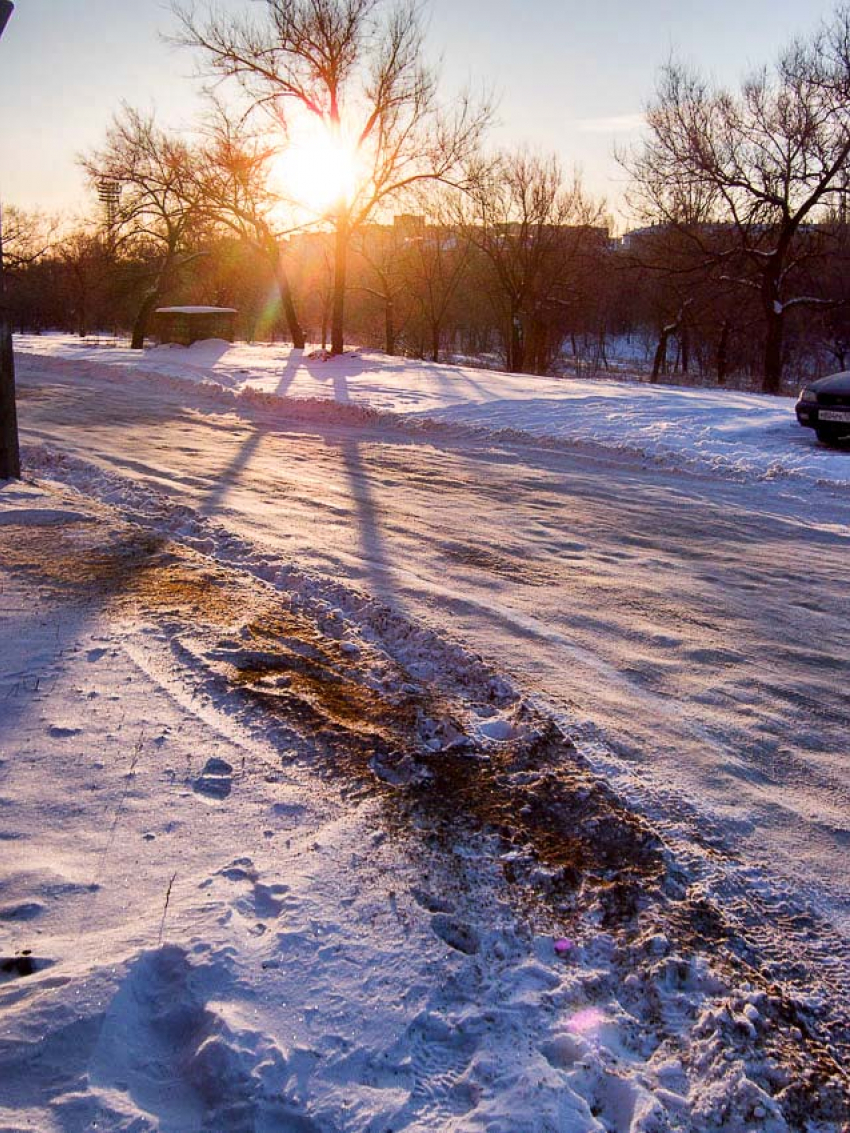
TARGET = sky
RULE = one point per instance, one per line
(572, 77)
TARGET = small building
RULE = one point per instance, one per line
(185, 325)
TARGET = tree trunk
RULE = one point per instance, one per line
(774, 318)
(296, 333)
(603, 351)
(82, 310)
(534, 358)
(723, 354)
(140, 326)
(389, 325)
(435, 342)
(685, 346)
(10, 457)
(340, 274)
(659, 364)
(516, 350)
(772, 379)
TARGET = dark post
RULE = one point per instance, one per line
(10, 458)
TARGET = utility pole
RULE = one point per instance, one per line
(10, 456)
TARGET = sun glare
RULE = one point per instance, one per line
(317, 171)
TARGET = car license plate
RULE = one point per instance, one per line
(834, 415)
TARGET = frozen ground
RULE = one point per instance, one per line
(746, 436)
(688, 632)
(279, 860)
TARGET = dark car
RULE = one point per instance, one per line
(824, 406)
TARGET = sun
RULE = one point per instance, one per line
(317, 171)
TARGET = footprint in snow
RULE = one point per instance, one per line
(216, 779)
(440, 1056)
(26, 911)
(265, 902)
(457, 934)
(24, 964)
(499, 730)
(268, 899)
(289, 813)
(62, 731)
(430, 902)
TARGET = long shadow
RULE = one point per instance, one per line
(287, 377)
(377, 568)
(245, 454)
(376, 563)
(72, 591)
(390, 368)
(341, 394)
(457, 380)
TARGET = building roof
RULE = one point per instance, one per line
(196, 311)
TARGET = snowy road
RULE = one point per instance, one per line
(696, 629)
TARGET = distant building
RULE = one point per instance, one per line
(409, 226)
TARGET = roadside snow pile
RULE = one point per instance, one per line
(278, 859)
(707, 431)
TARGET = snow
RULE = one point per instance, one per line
(196, 310)
(214, 917)
(281, 854)
(690, 624)
(718, 433)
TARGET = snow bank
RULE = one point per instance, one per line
(712, 432)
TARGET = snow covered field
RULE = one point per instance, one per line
(708, 431)
(283, 853)
(278, 859)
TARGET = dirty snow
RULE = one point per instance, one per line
(219, 911)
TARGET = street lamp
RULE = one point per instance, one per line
(10, 458)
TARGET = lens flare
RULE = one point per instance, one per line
(318, 170)
(586, 1022)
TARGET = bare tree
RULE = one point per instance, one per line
(436, 263)
(355, 68)
(534, 228)
(675, 277)
(833, 327)
(156, 205)
(27, 237)
(10, 457)
(380, 251)
(233, 188)
(763, 163)
(87, 259)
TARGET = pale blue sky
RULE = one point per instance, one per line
(566, 72)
